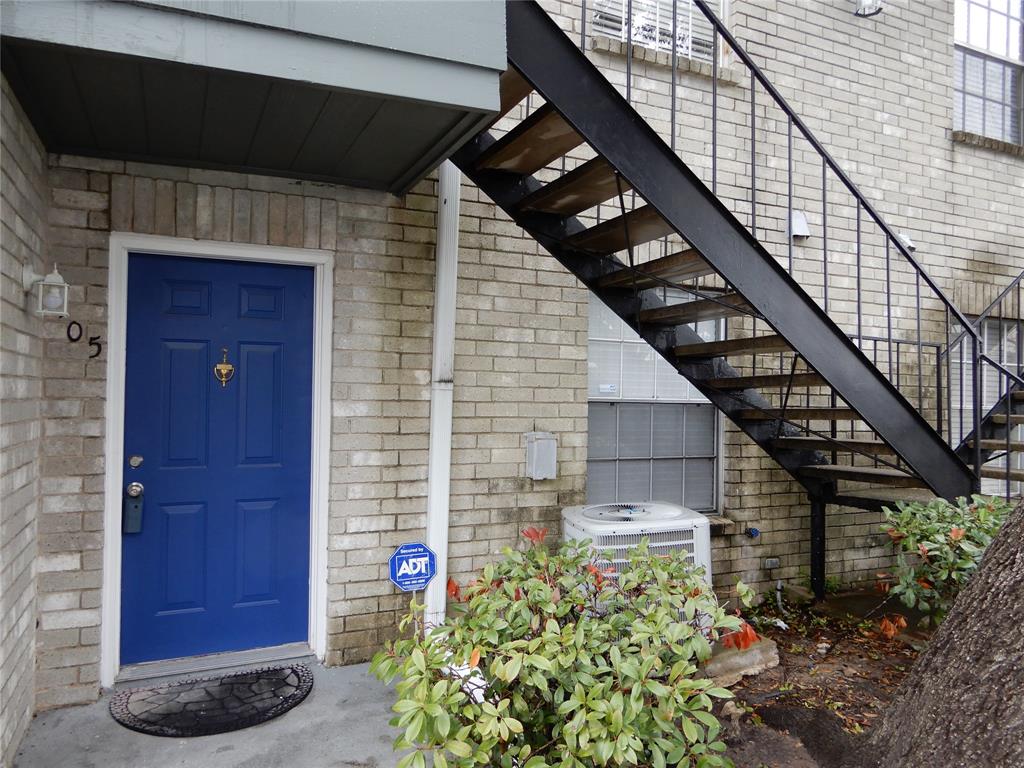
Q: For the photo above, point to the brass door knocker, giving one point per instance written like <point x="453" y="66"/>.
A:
<point x="224" y="370"/>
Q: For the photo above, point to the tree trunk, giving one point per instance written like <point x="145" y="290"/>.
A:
<point x="963" y="702"/>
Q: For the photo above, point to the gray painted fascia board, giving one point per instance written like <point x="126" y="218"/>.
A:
<point x="452" y="30"/>
<point x="468" y="127"/>
<point x="136" y="30"/>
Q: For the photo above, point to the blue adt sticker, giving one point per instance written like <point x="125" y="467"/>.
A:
<point x="412" y="567"/>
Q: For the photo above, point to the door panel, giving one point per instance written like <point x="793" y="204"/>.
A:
<point x="222" y="560"/>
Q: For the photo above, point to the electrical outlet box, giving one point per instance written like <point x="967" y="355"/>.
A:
<point x="772" y="562"/>
<point x="541" y="456"/>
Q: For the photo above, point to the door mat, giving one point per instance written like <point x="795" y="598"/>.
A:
<point x="209" y="705"/>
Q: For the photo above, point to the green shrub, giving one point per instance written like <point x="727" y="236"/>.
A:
<point x="939" y="546"/>
<point x="560" y="665"/>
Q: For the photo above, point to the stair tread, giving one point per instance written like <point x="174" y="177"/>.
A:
<point x="1018" y="395"/>
<point x="726" y="305"/>
<point x="889" y="493"/>
<point x="584" y="187"/>
<point x="999" y="473"/>
<point x="995" y="444"/>
<point x="800" y="414"/>
<point x="865" y="445"/>
<point x="1015" y="418"/>
<point x="644" y="224"/>
<point x="745" y="346"/>
<point x="535" y="142"/>
<point x="767" y="381"/>
<point x="512" y="89"/>
<point x="882" y="475"/>
<point x="682" y="265"/>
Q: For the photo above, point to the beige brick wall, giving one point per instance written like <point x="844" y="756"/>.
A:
<point x="22" y="243"/>
<point x="520" y="365"/>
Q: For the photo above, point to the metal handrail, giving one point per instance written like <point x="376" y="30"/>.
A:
<point x="1000" y="368"/>
<point x="757" y="72"/>
<point x="987" y="312"/>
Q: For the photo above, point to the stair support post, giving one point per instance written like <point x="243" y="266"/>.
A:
<point x="818" y="547"/>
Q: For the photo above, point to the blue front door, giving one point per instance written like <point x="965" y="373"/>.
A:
<point x="220" y="560"/>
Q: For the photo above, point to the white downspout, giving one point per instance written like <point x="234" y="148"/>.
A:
<point x="439" y="461"/>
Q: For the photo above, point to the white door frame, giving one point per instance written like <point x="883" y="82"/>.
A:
<point x="121" y="244"/>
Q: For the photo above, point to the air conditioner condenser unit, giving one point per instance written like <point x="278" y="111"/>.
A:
<point x="616" y="528"/>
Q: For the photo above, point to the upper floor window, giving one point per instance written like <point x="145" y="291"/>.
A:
<point x="652" y="22"/>
<point x="988" y="75"/>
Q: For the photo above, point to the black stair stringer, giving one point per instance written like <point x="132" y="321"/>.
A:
<point x="564" y="77"/>
<point x="506" y="190"/>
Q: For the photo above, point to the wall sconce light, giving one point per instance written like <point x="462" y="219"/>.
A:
<point x="866" y="8"/>
<point x="906" y="242"/>
<point x="798" y="228"/>
<point x="51" y="292"/>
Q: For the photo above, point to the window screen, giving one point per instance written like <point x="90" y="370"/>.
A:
<point x="645" y="451"/>
<point x="652" y="435"/>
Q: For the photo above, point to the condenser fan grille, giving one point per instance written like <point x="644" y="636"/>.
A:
<point x="622" y="513"/>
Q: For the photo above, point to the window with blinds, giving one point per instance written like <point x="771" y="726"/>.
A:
<point x="988" y="75"/>
<point x="652" y="435"/>
<point x="652" y="23"/>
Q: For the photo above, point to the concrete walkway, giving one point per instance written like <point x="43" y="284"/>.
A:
<point x="343" y="723"/>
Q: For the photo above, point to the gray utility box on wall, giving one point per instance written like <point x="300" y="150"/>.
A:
<point x="541" y="456"/>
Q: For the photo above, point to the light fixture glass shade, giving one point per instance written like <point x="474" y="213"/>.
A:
<point x="906" y="242"/>
<point x="867" y="8"/>
<point x="52" y="295"/>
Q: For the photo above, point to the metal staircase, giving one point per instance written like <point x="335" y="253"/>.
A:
<point x="821" y="407"/>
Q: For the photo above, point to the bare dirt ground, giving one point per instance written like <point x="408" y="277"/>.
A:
<point x="836" y="675"/>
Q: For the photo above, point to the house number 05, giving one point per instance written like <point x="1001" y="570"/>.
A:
<point x="75" y="333"/>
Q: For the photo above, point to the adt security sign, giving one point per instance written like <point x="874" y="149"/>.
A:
<point x="412" y="567"/>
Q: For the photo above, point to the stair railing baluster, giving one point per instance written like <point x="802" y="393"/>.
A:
<point x="714" y="111"/>
<point x="977" y="405"/>
<point x="1001" y="354"/>
<point x="1020" y="328"/>
<point x="888" y="304"/>
<point x="675" y="59"/>
<point x="860" y="320"/>
<point x="920" y="351"/>
<point x="961" y="434"/>
<point x="629" y="50"/>
<point x="824" y="231"/>
<point x="899" y="367"/>
<point x="1009" y="432"/>
<point x="789" y="194"/>
<point x="939" y="394"/>
<point x="949" y="381"/>
<point x="753" y="154"/>
<point x="583" y="26"/>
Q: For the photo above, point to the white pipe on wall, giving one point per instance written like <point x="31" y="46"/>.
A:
<point x="439" y="461"/>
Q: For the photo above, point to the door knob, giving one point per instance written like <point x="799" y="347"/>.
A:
<point x="134" y="490"/>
